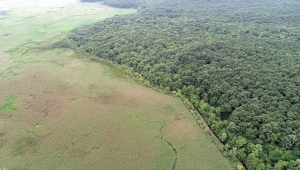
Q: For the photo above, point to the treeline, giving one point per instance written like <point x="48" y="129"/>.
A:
<point x="237" y="62"/>
<point x="118" y="3"/>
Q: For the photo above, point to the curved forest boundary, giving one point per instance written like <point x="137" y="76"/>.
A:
<point x="237" y="62"/>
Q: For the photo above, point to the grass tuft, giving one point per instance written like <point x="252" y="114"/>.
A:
<point x="9" y="104"/>
<point x="71" y="100"/>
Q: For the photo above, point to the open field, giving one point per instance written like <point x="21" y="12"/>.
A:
<point x="59" y="110"/>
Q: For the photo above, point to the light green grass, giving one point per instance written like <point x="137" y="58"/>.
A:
<point x="34" y="25"/>
<point x="9" y="104"/>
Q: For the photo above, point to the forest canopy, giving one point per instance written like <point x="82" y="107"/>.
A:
<point x="237" y="62"/>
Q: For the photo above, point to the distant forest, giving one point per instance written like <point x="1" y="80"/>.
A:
<point x="237" y="62"/>
<point x="120" y="3"/>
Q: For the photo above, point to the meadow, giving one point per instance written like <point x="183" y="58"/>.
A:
<point x="60" y="110"/>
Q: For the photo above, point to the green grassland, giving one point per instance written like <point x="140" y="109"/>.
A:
<point x="60" y="110"/>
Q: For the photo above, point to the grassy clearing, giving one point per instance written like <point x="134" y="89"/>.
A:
<point x="35" y="24"/>
<point x="76" y="114"/>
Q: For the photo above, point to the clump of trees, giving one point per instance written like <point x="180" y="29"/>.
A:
<point x="237" y="62"/>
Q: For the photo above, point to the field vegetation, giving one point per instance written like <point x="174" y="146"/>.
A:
<point x="61" y="110"/>
<point x="237" y="62"/>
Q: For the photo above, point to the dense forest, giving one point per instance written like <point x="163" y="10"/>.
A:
<point x="237" y="62"/>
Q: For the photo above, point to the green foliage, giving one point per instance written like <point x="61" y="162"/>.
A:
<point x="281" y="165"/>
<point x="241" y="58"/>
<point x="240" y="167"/>
<point x="223" y="137"/>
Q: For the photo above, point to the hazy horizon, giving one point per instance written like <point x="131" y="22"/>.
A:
<point x="7" y="5"/>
